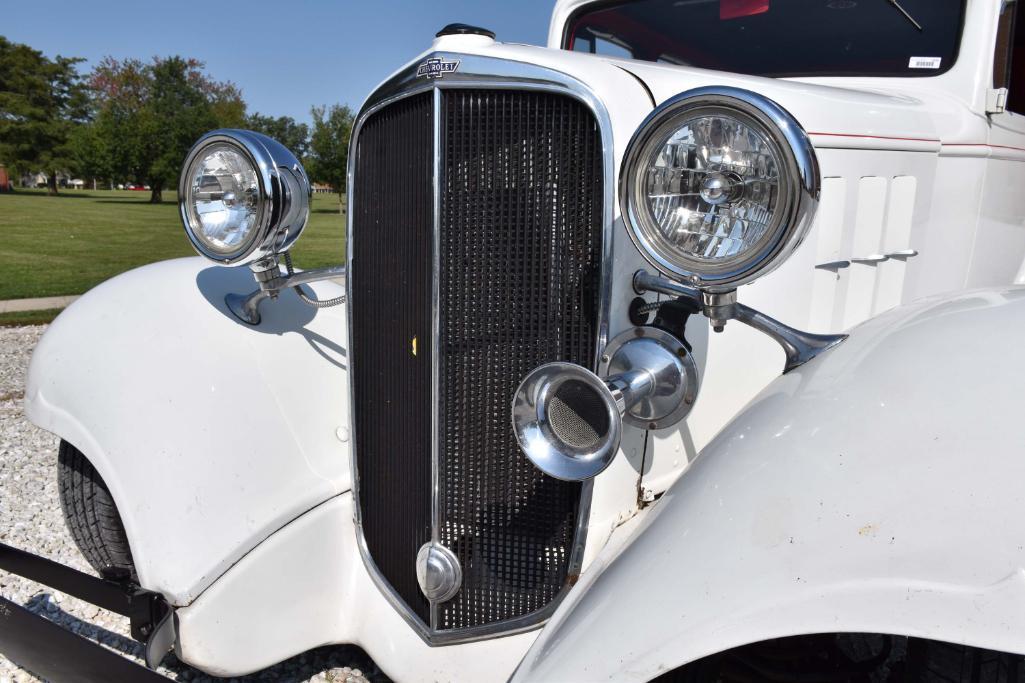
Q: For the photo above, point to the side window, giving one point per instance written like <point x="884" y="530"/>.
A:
<point x="595" y="43"/>
<point x="1009" y="57"/>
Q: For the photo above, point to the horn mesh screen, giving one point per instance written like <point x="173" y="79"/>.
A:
<point x="578" y="415"/>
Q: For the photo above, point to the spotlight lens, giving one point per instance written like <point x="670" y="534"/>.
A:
<point x="224" y="202"/>
<point x="718" y="187"/>
<point x="711" y="188"/>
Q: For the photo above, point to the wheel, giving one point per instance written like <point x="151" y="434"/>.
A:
<point x="92" y="517"/>
<point x="928" y="660"/>
<point x="852" y="658"/>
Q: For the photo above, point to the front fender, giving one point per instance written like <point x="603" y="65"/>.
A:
<point x="876" y="489"/>
<point x="211" y="434"/>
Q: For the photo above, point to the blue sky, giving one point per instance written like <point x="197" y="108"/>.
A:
<point x="285" y="56"/>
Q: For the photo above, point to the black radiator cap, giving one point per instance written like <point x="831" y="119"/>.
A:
<point x="464" y="30"/>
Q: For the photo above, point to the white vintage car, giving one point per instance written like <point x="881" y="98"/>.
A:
<point x="830" y="493"/>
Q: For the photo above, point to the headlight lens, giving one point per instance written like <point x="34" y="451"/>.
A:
<point x="243" y="197"/>
<point x="713" y="189"/>
<point x="224" y="202"/>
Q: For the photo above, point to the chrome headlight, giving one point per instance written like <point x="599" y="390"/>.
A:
<point x="243" y="197"/>
<point x="718" y="187"/>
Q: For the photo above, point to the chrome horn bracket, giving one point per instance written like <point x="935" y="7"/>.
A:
<point x="673" y="370"/>
<point x="246" y="307"/>
<point x="800" y="347"/>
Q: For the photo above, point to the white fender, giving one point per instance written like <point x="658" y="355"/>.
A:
<point x="211" y="434"/>
<point x="876" y="489"/>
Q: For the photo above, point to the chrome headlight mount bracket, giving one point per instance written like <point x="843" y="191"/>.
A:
<point x="272" y="281"/>
<point x="799" y="347"/>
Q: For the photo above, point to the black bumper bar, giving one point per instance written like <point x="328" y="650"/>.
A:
<point x="48" y="650"/>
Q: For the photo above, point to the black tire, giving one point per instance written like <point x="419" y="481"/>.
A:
<point x="936" y="662"/>
<point x="92" y="517"/>
<point x="853" y="658"/>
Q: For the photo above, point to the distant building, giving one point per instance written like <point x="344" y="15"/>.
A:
<point x="322" y="187"/>
<point x="40" y="179"/>
<point x="34" y="180"/>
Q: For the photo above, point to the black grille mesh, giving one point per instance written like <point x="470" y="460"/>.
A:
<point x="391" y="305"/>
<point x="520" y="251"/>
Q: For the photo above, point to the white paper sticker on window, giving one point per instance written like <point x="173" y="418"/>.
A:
<point x="924" y="63"/>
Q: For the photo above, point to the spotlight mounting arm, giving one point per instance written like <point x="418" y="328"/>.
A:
<point x="246" y="307"/>
<point x="800" y="347"/>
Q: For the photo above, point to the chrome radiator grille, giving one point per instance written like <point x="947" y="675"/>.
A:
<point x="515" y="251"/>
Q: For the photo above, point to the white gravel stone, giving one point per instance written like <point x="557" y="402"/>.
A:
<point x="31" y="519"/>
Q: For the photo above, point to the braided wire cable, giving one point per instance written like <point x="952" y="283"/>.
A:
<point x="327" y="303"/>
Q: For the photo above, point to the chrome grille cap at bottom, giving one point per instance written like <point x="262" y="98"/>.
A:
<point x="438" y="572"/>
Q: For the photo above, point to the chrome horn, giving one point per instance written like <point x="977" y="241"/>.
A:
<point x="569" y="421"/>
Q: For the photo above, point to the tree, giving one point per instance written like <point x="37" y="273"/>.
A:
<point x="329" y="146"/>
<point x="92" y="157"/>
<point x="149" y="115"/>
<point x="295" y="136"/>
<point x="42" y="101"/>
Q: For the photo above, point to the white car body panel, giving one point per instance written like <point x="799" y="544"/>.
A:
<point x="226" y="447"/>
<point x="297" y="591"/>
<point x="210" y="434"/>
<point x="875" y="489"/>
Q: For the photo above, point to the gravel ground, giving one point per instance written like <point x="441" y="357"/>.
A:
<point x="30" y="518"/>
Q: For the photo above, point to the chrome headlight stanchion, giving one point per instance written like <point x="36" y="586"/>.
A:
<point x="272" y="281"/>
<point x="800" y="347"/>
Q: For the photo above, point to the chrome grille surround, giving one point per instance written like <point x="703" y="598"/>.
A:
<point x="476" y="72"/>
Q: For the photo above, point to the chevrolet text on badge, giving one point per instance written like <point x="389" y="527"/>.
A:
<point x="436" y="68"/>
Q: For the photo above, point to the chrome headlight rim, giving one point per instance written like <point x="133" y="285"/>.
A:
<point x="270" y="160"/>
<point x="792" y="218"/>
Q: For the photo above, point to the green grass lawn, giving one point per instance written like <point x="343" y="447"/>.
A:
<point x="19" y="318"/>
<point x="52" y="246"/>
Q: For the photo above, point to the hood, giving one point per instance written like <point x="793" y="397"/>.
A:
<point x="835" y="116"/>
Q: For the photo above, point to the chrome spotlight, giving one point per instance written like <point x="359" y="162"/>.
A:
<point x="719" y="186"/>
<point x="243" y="198"/>
<point x="569" y="421"/>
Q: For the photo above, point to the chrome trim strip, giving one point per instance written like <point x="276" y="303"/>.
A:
<point x="436" y="343"/>
<point x="500" y="74"/>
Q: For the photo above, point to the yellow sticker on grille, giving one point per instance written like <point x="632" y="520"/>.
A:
<point x="414" y="346"/>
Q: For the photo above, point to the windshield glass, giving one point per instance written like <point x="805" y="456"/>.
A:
<point x="777" y="37"/>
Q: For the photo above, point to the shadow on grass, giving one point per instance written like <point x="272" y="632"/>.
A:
<point x="60" y="195"/>
<point x="140" y="200"/>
